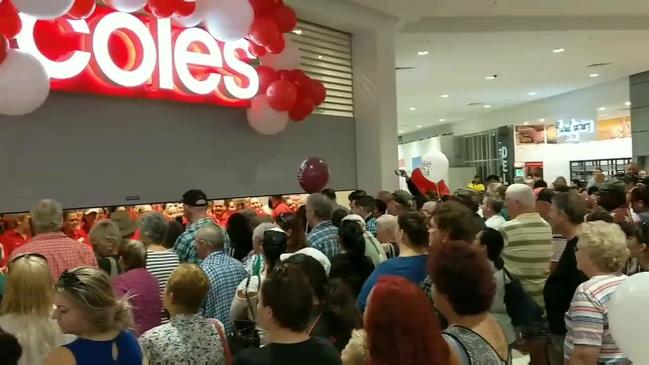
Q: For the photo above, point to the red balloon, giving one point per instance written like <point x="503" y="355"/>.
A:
<point x="264" y="31"/>
<point x="263" y="6"/>
<point x="267" y="76"/>
<point x="301" y="81"/>
<point x="185" y="8"/>
<point x="318" y="92"/>
<point x="303" y="108"/>
<point x="313" y="175"/>
<point x="82" y="9"/>
<point x="162" y="8"/>
<point x="285" y="18"/>
<point x="256" y="50"/>
<point x="282" y="95"/>
<point x="10" y="23"/>
<point x="284" y="75"/>
<point x="278" y="46"/>
<point x="66" y="43"/>
<point x="4" y="46"/>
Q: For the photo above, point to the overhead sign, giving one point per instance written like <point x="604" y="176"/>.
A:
<point x="506" y="155"/>
<point x="128" y="55"/>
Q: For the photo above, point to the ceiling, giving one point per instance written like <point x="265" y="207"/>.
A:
<point x="468" y="40"/>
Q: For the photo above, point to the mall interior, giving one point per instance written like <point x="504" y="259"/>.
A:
<point x="498" y="101"/>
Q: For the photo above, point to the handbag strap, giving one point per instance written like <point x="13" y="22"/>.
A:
<point x="250" y="307"/>
<point x="224" y="342"/>
<point x="314" y="324"/>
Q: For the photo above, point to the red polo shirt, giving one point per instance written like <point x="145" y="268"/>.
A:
<point x="279" y="209"/>
<point x="11" y="240"/>
<point x="81" y="236"/>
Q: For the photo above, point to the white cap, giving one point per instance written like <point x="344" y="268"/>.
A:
<point x="92" y="210"/>
<point x="356" y="218"/>
<point x="316" y="254"/>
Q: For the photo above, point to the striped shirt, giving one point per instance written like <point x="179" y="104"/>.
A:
<point x="160" y="264"/>
<point x="527" y="252"/>
<point x="587" y="319"/>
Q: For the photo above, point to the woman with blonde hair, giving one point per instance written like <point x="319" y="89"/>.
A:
<point x="601" y="255"/>
<point x="86" y="307"/>
<point x="27" y="306"/>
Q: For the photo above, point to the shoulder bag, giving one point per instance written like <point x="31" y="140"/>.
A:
<point x="521" y="307"/>
<point x="245" y="334"/>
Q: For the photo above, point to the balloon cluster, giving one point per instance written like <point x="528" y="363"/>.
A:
<point x="272" y="20"/>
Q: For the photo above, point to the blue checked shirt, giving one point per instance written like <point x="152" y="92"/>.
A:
<point x="224" y="273"/>
<point x="371" y="225"/>
<point x="185" y="246"/>
<point x="324" y="237"/>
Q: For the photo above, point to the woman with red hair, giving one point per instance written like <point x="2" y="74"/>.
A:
<point x="401" y="326"/>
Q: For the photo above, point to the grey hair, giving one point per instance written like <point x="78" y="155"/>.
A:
<point x="258" y="232"/>
<point x="387" y="222"/>
<point x="321" y="205"/>
<point x="47" y="216"/>
<point x="107" y="231"/>
<point x="153" y="227"/>
<point x="523" y="194"/>
<point x="213" y="236"/>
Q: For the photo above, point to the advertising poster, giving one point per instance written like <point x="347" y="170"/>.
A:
<point x="530" y="134"/>
<point x="614" y="128"/>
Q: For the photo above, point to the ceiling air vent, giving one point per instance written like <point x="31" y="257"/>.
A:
<point x="476" y="104"/>
<point x="406" y="68"/>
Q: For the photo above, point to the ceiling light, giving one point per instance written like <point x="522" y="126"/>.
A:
<point x="487" y="106"/>
<point x="527" y="123"/>
<point x="412" y="108"/>
<point x="531" y="93"/>
<point x="601" y="108"/>
<point x="297" y="31"/>
<point x="442" y="120"/>
<point x="594" y="75"/>
<point x="542" y="120"/>
<point x="627" y="103"/>
<point x="491" y="77"/>
<point x="419" y="126"/>
<point x="400" y="132"/>
<point x="444" y="96"/>
<point x="319" y="57"/>
<point x="558" y="50"/>
<point x="423" y="53"/>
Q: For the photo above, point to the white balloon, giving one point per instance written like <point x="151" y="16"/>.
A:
<point x="229" y="20"/>
<point x="24" y="84"/>
<point x="202" y="7"/>
<point x="126" y="6"/>
<point x="264" y="119"/>
<point x="434" y="167"/>
<point x="626" y="311"/>
<point x="289" y="59"/>
<point x="44" y="9"/>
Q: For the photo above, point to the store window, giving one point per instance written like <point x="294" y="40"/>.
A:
<point x="327" y="56"/>
<point x="481" y="151"/>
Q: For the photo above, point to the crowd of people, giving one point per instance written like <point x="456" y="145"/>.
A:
<point x="399" y="278"/>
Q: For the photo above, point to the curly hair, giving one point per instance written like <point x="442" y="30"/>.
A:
<point x="605" y="244"/>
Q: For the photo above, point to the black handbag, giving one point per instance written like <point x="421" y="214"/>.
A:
<point x="521" y="307"/>
<point x="245" y="334"/>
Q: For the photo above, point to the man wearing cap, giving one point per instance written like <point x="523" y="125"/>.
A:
<point x="89" y="218"/>
<point x="401" y="203"/>
<point x="195" y="210"/>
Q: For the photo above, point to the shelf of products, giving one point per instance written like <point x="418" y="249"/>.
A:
<point x="583" y="170"/>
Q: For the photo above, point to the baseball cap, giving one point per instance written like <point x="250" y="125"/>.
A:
<point x="315" y="253"/>
<point x="403" y="197"/>
<point x="356" y="218"/>
<point x="195" y="198"/>
<point x="92" y="210"/>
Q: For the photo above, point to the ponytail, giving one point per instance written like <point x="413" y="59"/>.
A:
<point x="123" y="318"/>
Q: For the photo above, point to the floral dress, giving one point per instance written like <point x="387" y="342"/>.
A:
<point x="186" y="339"/>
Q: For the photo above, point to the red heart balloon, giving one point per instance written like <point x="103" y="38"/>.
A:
<point x="423" y="185"/>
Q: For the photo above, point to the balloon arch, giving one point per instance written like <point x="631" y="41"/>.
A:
<point x="285" y="92"/>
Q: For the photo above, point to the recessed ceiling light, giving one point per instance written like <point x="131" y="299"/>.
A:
<point x="487" y="106"/>
<point x="527" y="123"/>
<point x="423" y="52"/>
<point x="297" y="31"/>
<point x="491" y="77"/>
<point x="412" y="108"/>
<point x="558" y="50"/>
<point x="601" y="108"/>
<point x="419" y="126"/>
<point x="531" y="93"/>
<point x="594" y="75"/>
<point x="542" y="120"/>
<point x="442" y="120"/>
<point x="627" y="103"/>
<point x="444" y="96"/>
<point x="400" y="132"/>
<point x="319" y="57"/>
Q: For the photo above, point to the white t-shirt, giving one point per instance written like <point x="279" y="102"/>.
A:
<point x="495" y="222"/>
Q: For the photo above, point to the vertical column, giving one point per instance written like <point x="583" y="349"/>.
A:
<point x="639" y="91"/>
<point x="375" y="105"/>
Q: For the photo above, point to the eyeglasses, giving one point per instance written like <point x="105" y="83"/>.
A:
<point x="27" y="255"/>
